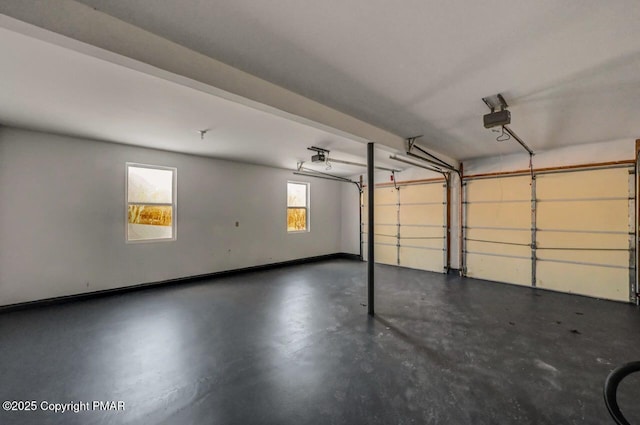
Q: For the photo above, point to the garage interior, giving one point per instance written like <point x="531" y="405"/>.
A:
<point x="236" y="212"/>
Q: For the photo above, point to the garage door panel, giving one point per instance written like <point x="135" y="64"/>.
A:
<point x="494" y="235"/>
<point x="386" y="254"/>
<point x="386" y="240"/>
<point x="422" y="236"/>
<point x="385" y="234"/>
<point x="502" y="249"/>
<point x="582" y="240"/>
<point x="386" y="195"/>
<point x="498" y="217"/>
<point x="418" y="231"/>
<point x="499" y="269"/>
<point x="584" y="184"/>
<point x="600" y="282"/>
<point x="613" y="258"/>
<point x="546" y="239"/>
<point x="584" y="215"/>
<point x="422" y="221"/>
<point x="499" y="189"/>
<point x="383" y="196"/>
<point x="422" y="214"/>
<point x="421" y="218"/>
<point x="510" y="215"/>
<point x="586" y="256"/>
<point x="421" y="259"/>
<point x="599" y="248"/>
<point x="386" y="215"/>
<point x="422" y="243"/>
<point x="421" y="193"/>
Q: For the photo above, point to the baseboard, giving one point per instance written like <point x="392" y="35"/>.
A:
<point x="347" y="256"/>
<point x="169" y="282"/>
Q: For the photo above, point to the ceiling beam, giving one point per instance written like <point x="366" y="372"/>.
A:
<point x="114" y="40"/>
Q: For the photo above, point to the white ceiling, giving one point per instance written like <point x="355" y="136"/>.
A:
<point x="570" y="69"/>
<point x="47" y="87"/>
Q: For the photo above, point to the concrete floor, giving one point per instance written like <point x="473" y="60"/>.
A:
<point x="295" y="346"/>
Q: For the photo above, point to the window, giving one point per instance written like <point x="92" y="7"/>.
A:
<point x="151" y="203"/>
<point x="297" y="207"/>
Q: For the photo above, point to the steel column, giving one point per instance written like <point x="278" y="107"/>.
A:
<point x="449" y="183"/>
<point x="360" y="212"/>
<point x="397" y="221"/>
<point x="370" y="227"/>
<point x="461" y="222"/>
<point x="533" y="229"/>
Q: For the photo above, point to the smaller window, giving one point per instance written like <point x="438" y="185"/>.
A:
<point x="297" y="207"/>
<point x="151" y="203"/>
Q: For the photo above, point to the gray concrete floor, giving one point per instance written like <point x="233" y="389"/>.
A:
<point x="295" y="346"/>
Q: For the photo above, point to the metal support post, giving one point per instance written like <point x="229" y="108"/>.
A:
<point x="397" y="220"/>
<point x="360" y="190"/>
<point x="370" y="235"/>
<point x="533" y="229"/>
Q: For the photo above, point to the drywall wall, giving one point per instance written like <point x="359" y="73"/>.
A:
<point x="62" y="217"/>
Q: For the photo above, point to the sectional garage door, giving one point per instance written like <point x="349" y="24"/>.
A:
<point x="410" y="225"/>
<point x="385" y="225"/>
<point x="498" y="232"/>
<point x="585" y="232"/>
<point x="581" y="225"/>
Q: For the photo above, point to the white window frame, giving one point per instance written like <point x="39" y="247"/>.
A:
<point x="173" y="204"/>
<point x="306" y="207"/>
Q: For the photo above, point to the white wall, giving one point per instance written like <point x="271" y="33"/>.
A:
<point x="62" y="219"/>
<point x="617" y="150"/>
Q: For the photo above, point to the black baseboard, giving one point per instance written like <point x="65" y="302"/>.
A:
<point x="169" y="282"/>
